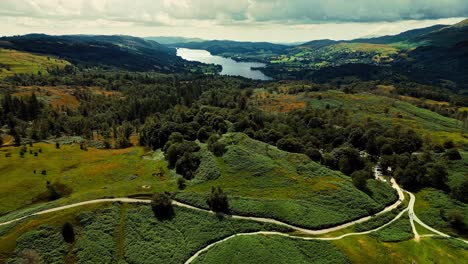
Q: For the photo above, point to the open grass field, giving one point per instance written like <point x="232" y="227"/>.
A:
<point x="15" y="62"/>
<point x="120" y="233"/>
<point x="89" y="174"/>
<point x="262" y="180"/>
<point x="366" y="249"/>
<point x="363" y="47"/>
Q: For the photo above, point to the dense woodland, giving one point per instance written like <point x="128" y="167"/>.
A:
<point x="172" y="112"/>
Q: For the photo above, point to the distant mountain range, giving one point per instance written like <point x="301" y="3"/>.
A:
<point x="172" y="40"/>
<point x="436" y="52"/>
<point x="125" y="52"/>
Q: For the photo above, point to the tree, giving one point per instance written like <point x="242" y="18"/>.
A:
<point x="437" y="175"/>
<point x="345" y="165"/>
<point x="187" y="165"/>
<point x="218" y="200"/>
<point x="68" y="232"/>
<point x="203" y="134"/>
<point x="214" y="145"/>
<point x="313" y="153"/>
<point x="17" y="137"/>
<point x="460" y="192"/>
<point x="290" y="144"/>
<point x="360" y="178"/>
<point x="161" y="204"/>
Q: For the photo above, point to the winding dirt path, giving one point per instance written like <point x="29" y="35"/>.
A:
<point x="197" y="254"/>
<point x="409" y="209"/>
<point x="252" y="218"/>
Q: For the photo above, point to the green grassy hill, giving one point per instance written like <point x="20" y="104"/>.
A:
<point x="262" y="180"/>
<point x="16" y="62"/>
<point x="378" y="108"/>
<point x="118" y="234"/>
<point x="124" y="52"/>
<point x="272" y="249"/>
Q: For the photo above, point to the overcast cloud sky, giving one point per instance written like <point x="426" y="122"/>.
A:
<point x="255" y="20"/>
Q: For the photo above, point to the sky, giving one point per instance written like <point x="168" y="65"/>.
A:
<point x="248" y="20"/>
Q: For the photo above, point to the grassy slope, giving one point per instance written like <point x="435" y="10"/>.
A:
<point x="122" y="233"/>
<point x="400" y="230"/>
<point x="24" y="62"/>
<point x="365" y="249"/>
<point x="434" y="206"/>
<point x="458" y="170"/>
<point x="265" y="181"/>
<point x="363" y="105"/>
<point x="272" y="249"/>
<point x="91" y="174"/>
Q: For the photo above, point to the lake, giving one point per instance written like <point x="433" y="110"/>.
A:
<point x="230" y="66"/>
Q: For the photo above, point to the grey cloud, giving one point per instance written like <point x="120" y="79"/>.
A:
<point x="236" y="11"/>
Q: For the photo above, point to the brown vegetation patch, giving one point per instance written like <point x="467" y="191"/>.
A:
<point x="57" y="97"/>
<point x="101" y="91"/>
<point x="282" y="103"/>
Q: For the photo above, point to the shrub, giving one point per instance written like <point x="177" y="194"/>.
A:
<point x="161" y="204"/>
<point x="218" y="200"/>
<point x="218" y="149"/>
<point x="30" y="256"/>
<point x="57" y="190"/>
<point x="460" y="192"/>
<point x="181" y="184"/>
<point x="123" y="142"/>
<point x="453" y="154"/>
<point x="456" y="220"/>
<point x="438" y="149"/>
<point x="68" y="232"/>
<point x="449" y="144"/>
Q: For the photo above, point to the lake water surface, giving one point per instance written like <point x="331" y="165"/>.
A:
<point x="230" y="66"/>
